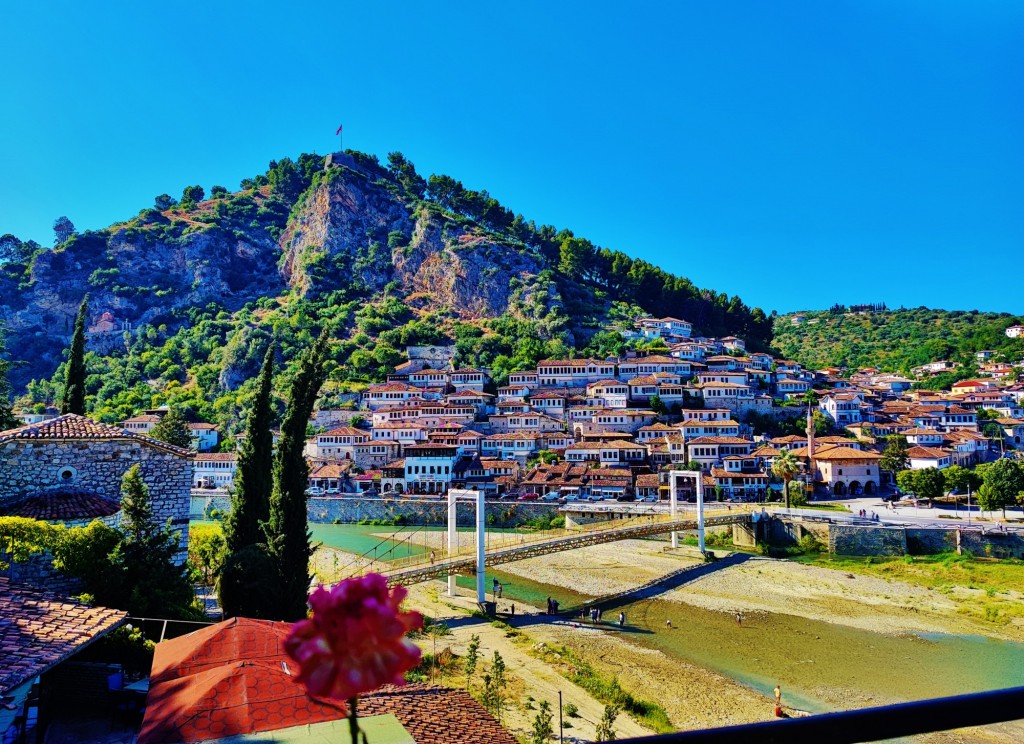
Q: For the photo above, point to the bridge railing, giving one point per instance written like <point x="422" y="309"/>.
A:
<point x="500" y="541"/>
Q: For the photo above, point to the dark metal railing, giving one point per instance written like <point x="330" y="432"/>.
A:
<point x="867" y="724"/>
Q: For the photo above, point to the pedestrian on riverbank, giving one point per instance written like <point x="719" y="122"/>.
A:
<point x="739" y="618"/>
<point x="778" y="696"/>
<point x="432" y="557"/>
<point x="622" y="619"/>
<point x="668" y="624"/>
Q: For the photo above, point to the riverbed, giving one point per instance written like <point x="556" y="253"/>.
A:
<point x="829" y="640"/>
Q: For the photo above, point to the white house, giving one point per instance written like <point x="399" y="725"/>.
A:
<point x="339" y="443"/>
<point x="922" y="458"/>
<point x="573" y="372"/>
<point x="204" y="436"/>
<point x="1015" y="331"/>
<point x="429" y="467"/>
<point x="214" y="469"/>
<point x="843" y="408"/>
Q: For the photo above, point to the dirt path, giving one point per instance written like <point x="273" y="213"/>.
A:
<point x="531" y="677"/>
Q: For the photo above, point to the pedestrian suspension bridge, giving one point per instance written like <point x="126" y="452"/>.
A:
<point x="494" y="548"/>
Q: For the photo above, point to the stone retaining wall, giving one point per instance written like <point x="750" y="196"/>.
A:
<point x="349" y="510"/>
<point x="848" y="539"/>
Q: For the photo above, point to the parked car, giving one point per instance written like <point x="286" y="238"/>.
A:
<point x="572" y="496"/>
<point x="529" y="497"/>
<point x="651" y="499"/>
<point x="314" y="491"/>
<point x="333" y="491"/>
<point x="552" y="496"/>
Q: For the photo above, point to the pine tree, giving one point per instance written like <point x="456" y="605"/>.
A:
<point x="254" y="478"/>
<point x="173" y="429"/>
<point x="543" y="729"/>
<point x="288" y="536"/>
<point x="143" y="578"/>
<point x="606" y="726"/>
<point x="73" y="398"/>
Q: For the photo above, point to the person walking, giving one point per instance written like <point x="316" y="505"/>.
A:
<point x="432" y="557"/>
<point x="622" y="619"/>
<point x="739" y="619"/>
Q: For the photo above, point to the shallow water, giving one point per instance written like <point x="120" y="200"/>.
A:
<point x="820" y="666"/>
<point x="824" y="666"/>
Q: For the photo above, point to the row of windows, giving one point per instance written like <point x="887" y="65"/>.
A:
<point x="433" y="469"/>
<point x="207" y="464"/>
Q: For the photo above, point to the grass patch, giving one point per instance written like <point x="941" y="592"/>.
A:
<point x="604" y="688"/>
<point x="825" y="507"/>
<point x="987" y="589"/>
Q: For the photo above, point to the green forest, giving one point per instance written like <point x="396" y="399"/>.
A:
<point x="201" y="357"/>
<point x="897" y="340"/>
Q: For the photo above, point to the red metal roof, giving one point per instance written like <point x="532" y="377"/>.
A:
<point x="233" y="678"/>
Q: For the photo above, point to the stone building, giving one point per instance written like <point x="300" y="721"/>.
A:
<point x="69" y="469"/>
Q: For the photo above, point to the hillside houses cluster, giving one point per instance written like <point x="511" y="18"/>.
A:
<point x="611" y="428"/>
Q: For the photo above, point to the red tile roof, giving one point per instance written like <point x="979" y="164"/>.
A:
<point x="73" y="426"/>
<point x="39" y="630"/>
<point x="61" y="506"/>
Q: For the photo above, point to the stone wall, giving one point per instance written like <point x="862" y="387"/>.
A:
<point x="347" y="510"/>
<point x="30" y="468"/>
<point x="847" y="539"/>
<point x="791" y="531"/>
<point x="929" y="541"/>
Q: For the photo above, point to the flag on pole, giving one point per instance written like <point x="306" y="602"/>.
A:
<point x="339" y="130"/>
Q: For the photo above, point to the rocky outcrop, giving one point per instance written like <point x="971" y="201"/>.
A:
<point x="460" y="271"/>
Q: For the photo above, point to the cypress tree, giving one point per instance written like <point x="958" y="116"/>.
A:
<point x="73" y="398"/>
<point x="254" y="478"/>
<point x="288" y="536"/>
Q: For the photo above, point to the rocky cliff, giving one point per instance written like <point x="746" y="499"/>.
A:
<point x="185" y="299"/>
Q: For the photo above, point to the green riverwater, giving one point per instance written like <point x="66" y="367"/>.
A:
<point x="820" y="666"/>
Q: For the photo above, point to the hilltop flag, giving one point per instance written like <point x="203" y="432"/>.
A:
<point x="339" y="130"/>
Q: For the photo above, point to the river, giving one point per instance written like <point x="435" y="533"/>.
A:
<point x="817" y="663"/>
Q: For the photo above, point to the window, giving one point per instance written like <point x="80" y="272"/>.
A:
<point x="67" y="474"/>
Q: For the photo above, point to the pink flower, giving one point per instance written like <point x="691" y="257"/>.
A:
<point x="355" y="640"/>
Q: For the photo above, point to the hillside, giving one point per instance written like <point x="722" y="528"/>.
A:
<point x="895" y="340"/>
<point x="378" y="254"/>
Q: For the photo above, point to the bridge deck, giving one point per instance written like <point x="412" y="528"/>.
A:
<point x="467" y="564"/>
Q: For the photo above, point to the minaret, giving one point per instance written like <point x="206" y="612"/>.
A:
<point x="811" y="469"/>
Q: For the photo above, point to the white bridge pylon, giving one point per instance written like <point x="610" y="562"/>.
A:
<point x="454" y="495"/>
<point x="698" y="477"/>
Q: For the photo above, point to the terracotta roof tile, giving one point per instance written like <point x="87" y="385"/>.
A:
<point x="61" y="506"/>
<point x="39" y="629"/>
<point x="73" y="426"/>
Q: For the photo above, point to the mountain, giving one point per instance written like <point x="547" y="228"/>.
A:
<point x="895" y="340"/>
<point x="184" y="297"/>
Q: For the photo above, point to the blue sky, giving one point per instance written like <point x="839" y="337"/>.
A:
<point x="794" y="153"/>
